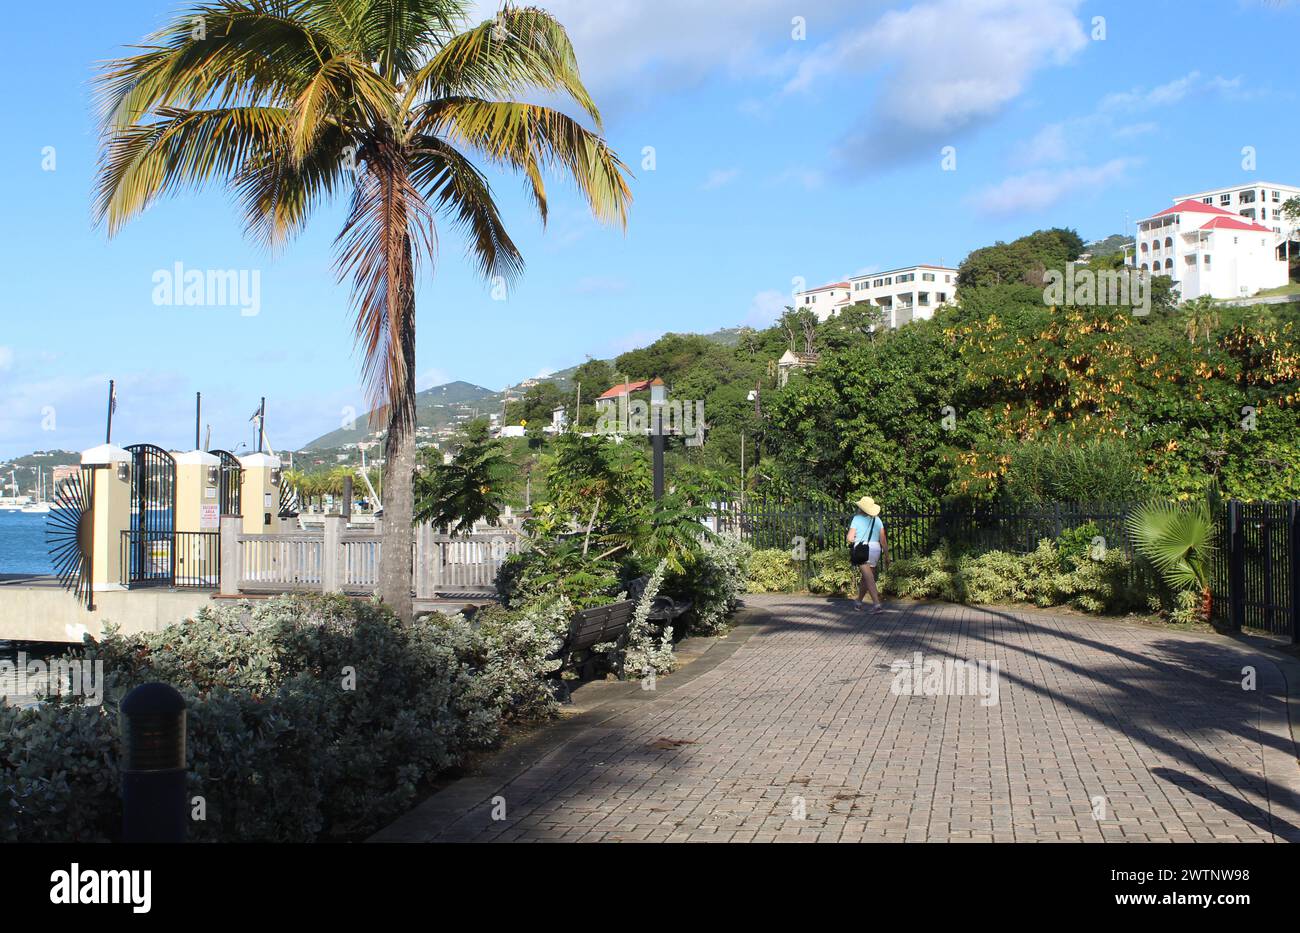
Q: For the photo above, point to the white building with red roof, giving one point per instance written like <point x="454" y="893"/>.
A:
<point x="1208" y="250"/>
<point x="1261" y="202"/>
<point x="904" y="295"/>
<point x="824" y="300"/>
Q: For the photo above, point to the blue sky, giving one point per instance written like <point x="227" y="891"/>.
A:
<point x="776" y="159"/>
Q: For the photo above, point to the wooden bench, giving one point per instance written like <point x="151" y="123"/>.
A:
<point x="665" y="610"/>
<point x="592" y="627"/>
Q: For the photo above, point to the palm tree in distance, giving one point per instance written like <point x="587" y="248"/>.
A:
<point x="289" y="102"/>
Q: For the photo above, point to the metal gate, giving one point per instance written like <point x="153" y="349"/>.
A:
<point x="229" y="482"/>
<point x="1263" y="566"/>
<point x="151" y="542"/>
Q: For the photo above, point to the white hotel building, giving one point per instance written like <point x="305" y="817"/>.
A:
<point x="1261" y="203"/>
<point x="907" y="294"/>
<point x="1211" y="250"/>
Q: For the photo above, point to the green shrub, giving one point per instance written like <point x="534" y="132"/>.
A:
<point x="1004" y="577"/>
<point x="58" y="774"/>
<point x="307" y="716"/>
<point x="773" y="571"/>
<point x="831" y="573"/>
<point x="933" y="576"/>
<point x="714" y="583"/>
<point x="1076" y="542"/>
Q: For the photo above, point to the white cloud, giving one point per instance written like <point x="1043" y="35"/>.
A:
<point x="631" y="51"/>
<point x="430" y="378"/>
<point x="766" y="308"/>
<point x="719" y="178"/>
<point x="1173" y="92"/>
<point x="948" y="65"/>
<point x="600" y="285"/>
<point x="808" y="178"/>
<point x="6" y="357"/>
<point x="1048" y="145"/>
<point x="1040" y="189"/>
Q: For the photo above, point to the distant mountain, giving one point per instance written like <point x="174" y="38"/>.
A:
<point x="22" y="470"/>
<point x="444" y="405"/>
<point x="435" y="408"/>
<point x="1114" y="243"/>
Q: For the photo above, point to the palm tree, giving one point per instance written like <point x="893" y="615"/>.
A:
<point x="289" y="102"/>
<point x="1202" y="317"/>
<point x="1178" y="540"/>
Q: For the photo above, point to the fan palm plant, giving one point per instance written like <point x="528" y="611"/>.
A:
<point x="1177" y="538"/>
<point x="289" y="102"/>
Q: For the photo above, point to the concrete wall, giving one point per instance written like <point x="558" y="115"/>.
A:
<point x="48" y="613"/>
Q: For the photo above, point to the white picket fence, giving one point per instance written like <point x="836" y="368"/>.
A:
<point x="347" y="560"/>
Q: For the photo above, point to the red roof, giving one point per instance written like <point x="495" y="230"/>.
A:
<point x="823" y="288"/>
<point x="1234" y="223"/>
<point x="1198" y="207"/>
<point x="625" y="388"/>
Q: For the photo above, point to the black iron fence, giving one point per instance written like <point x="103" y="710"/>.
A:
<point x="171" y="558"/>
<point x="1254" y="568"/>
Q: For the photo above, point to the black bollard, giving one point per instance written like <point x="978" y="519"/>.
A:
<point x="154" y="806"/>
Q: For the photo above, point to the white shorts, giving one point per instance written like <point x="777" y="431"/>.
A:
<point x="873" y="553"/>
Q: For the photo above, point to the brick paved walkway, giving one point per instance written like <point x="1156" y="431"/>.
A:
<point x="1150" y="729"/>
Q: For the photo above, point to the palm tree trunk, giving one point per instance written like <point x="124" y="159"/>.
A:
<point x="395" y="555"/>
<point x="395" y="570"/>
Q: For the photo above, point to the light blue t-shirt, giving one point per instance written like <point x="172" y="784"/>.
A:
<point x="867" y="528"/>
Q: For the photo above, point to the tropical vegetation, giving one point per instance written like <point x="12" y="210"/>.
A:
<point x="289" y="103"/>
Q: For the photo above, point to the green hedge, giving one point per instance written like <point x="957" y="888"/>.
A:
<point x="308" y="717"/>
<point x="1048" y="576"/>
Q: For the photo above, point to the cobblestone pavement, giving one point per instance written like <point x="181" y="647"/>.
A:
<point x="1100" y="732"/>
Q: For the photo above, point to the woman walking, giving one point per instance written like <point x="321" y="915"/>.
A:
<point x="867" y="545"/>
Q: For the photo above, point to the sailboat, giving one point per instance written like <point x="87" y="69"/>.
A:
<point x="40" y="505"/>
<point x="11" y="503"/>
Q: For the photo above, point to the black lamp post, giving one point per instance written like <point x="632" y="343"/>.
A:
<point x="658" y="395"/>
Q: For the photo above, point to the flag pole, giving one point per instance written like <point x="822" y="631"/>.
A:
<point x="108" y="434"/>
<point x="198" y="417"/>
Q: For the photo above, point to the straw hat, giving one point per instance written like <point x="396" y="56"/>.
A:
<point x="869" y="506"/>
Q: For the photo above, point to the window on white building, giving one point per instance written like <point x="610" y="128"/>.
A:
<point x="927" y="276"/>
<point x="1225" y="199"/>
<point x="1207" y="261"/>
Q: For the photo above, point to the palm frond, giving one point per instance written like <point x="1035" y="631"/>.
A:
<point x="397" y="31"/>
<point x="389" y="231"/>
<point x="520" y="50"/>
<point x="216" y="55"/>
<point x="184" y="148"/>
<point x="452" y="184"/>
<point x="1177" y="539"/>
<point x="279" y="192"/>
<point x="530" y="137"/>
